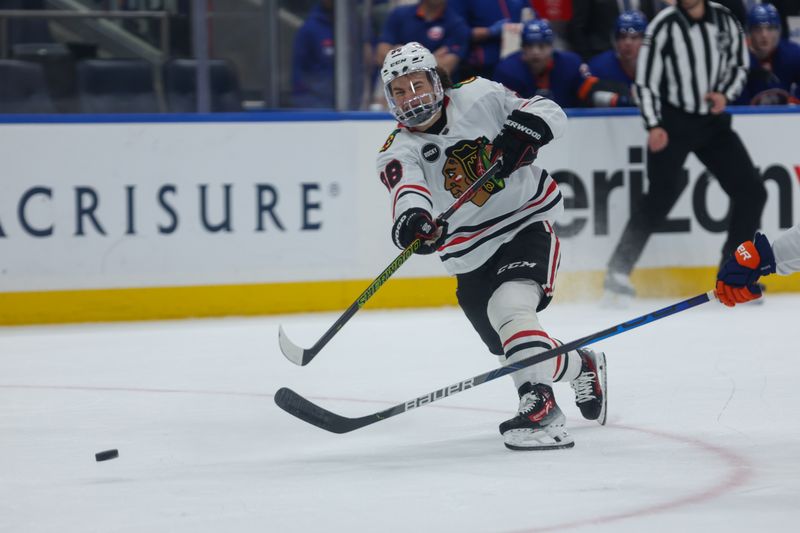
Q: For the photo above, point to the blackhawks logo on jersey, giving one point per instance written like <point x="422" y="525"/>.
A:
<point x="465" y="162"/>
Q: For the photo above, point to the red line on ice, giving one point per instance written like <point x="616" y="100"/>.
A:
<point x="736" y="474"/>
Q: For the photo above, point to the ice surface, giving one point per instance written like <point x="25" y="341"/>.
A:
<point x="703" y="433"/>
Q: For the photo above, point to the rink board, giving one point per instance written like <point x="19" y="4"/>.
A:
<point x="169" y="217"/>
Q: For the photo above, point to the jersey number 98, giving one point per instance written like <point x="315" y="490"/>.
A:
<point x="392" y="174"/>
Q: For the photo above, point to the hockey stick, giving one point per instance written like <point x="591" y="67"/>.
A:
<point x="303" y="356"/>
<point x="296" y="405"/>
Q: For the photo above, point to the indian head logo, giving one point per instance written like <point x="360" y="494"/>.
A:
<point x="465" y="162"/>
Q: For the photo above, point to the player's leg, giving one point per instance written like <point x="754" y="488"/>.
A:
<point x="526" y="272"/>
<point x="727" y="159"/>
<point x="512" y="312"/>
<point x="539" y="422"/>
<point x="666" y="181"/>
<point x="502" y="299"/>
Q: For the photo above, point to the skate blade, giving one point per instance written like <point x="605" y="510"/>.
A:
<point x="601" y="375"/>
<point x="524" y="440"/>
<point x="540" y="448"/>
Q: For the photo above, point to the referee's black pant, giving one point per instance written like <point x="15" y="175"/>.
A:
<point x="719" y="148"/>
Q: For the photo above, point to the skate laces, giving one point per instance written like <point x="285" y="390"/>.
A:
<point x="530" y="402"/>
<point x="584" y="387"/>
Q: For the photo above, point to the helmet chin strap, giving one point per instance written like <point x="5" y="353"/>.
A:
<point x="429" y="122"/>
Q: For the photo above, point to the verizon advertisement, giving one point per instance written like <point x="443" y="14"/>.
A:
<point x="169" y="204"/>
<point x="600" y="166"/>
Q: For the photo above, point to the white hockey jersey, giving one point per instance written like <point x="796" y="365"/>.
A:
<point x="787" y="251"/>
<point x="429" y="171"/>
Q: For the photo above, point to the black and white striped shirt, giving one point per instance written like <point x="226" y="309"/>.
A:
<point x="682" y="59"/>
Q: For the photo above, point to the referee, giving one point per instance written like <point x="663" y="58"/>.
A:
<point x="693" y="61"/>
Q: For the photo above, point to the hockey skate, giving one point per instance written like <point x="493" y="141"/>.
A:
<point x="590" y="386"/>
<point x="539" y="425"/>
<point x="618" y="290"/>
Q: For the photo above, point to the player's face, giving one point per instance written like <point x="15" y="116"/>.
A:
<point x="628" y="45"/>
<point x="689" y="4"/>
<point x="537" y="55"/>
<point x="456" y="181"/>
<point x="410" y="87"/>
<point x="764" y="40"/>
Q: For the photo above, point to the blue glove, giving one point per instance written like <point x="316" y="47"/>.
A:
<point x="736" y="279"/>
<point x="497" y="28"/>
<point x="750" y="261"/>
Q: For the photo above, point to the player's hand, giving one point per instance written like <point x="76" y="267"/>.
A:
<point x="731" y="296"/>
<point x="736" y="279"/>
<point x="418" y="224"/>
<point x="657" y="139"/>
<point x="718" y="102"/>
<point x="519" y="141"/>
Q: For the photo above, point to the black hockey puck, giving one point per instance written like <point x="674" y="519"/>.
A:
<point x="106" y="455"/>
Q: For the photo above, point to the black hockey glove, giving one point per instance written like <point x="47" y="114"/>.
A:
<point x="417" y="224"/>
<point x="519" y="141"/>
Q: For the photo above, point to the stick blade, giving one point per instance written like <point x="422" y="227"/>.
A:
<point x="294" y="353"/>
<point x="297" y="406"/>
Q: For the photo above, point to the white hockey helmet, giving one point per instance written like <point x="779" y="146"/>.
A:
<point x="419" y="107"/>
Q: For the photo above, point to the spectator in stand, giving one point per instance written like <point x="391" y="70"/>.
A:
<point x="787" y="8"/>
<point x="591" y="29"/>
<point x="774" y="74"/>
<point x="432" y="23"/>
<point x="313" y="84"/>
<point x="615" y="69"/>
<point x="312" y="59"/>
<point x="540" y="69"/>
<point x="486" y="19"/>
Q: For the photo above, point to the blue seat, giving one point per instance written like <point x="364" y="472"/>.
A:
<point x="26" y="29"/>
<point x="23" y="88"/>
<point x="116" y="86"/>
<point x="58" y="66"/>
<point x="180" y="85"/>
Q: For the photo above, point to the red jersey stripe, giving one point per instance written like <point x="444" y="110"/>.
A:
<point x="410" y="186"/>
<point x="462" y="239"/>
<point x="558" y="365"/>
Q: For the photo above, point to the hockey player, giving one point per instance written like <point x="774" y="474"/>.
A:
<point x="488" y="21"/>
<point x="540" y="69"/>
<point x="500" y="245"/>
<point x="774" y="75"/>
<point x="737" y="279"/>
<point x="615" y="69"/>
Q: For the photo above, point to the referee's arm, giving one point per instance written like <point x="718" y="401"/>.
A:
<point x="649" y="71"/>
<point x="735" y="77"/>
